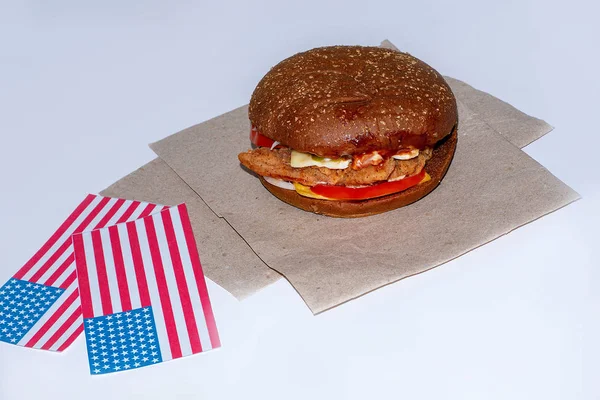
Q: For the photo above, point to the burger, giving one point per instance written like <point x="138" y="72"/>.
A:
<point x="351" y="131"/>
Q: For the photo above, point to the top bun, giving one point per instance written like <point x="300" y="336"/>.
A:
<point x="345" y="100"/>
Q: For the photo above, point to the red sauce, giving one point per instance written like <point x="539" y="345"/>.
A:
<point x="360" y="161"/>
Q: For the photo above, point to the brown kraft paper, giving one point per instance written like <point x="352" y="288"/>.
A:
<point x="491" y="188"/>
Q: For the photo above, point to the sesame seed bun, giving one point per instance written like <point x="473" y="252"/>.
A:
<point x="350" y="100"/>
<point x="346" y="100"/>
<point x="436" y="167"/>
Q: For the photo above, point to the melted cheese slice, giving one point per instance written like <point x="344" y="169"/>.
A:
<point x="301" y="160"/>
<point x="306" y="192"/>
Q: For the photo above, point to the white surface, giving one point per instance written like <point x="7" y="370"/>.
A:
<point x="84" y="88"/>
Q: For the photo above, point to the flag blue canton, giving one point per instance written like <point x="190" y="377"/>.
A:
<point x="22" y="304"/>
<point x="122" y="341"/>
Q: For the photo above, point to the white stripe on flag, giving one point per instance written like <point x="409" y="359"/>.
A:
<point x="47" y="315"/>
<point x="115" y="297"/>
<point x="134" y="292"/>
<point x="92" y="274"/>
<point x="165" y="255"/>
<point x="190" y="279"/>
<point x="159" y="319"/>
<point x="66" y="236"/>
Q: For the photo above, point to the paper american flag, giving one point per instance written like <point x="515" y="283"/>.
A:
<point x="39" y="306"/>
<point x="143" y="294"/>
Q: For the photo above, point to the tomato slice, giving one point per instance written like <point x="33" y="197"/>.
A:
<point x="259" y="139"/>
<point x="368" y="192"/>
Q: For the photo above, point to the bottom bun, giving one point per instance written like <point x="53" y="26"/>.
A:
<point x="436" y="167"/>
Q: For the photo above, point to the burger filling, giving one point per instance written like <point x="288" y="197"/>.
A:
<point x="357" y="177"/>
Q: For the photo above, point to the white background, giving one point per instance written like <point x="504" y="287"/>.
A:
<point x="85" y="86"/>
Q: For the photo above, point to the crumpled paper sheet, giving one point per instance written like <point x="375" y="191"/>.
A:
<point x="324" y="284"/>
<point x="491" y="188"/>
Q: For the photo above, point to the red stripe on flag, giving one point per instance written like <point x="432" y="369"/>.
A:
<point x="184" y="294"/>
<point x="60" y="270"/>
<point x="82" y="277"/>
<point x="132" y="207"/>
<point x="138" y="265"/>
<point x="113" y="210"/>
<point x="54" y="238"/>
<point x="199" y="275"/>
<point x="71" y="338"/>
<point x="163" y="291"/>
<point x="113" y="232"/>
<point x="70" y="279"/>
<point x="52" y="320"/>
<point x="63" y="328"/>
<point x="147" y="211"/>
<point x="101" y="272"/>
<point x="165" y="208"/>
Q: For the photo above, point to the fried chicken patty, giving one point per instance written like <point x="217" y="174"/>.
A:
<point x="276" y="164"/>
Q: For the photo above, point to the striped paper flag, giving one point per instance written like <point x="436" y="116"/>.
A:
<point x="39" y="306"/>
<point x="143" y="294"/>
